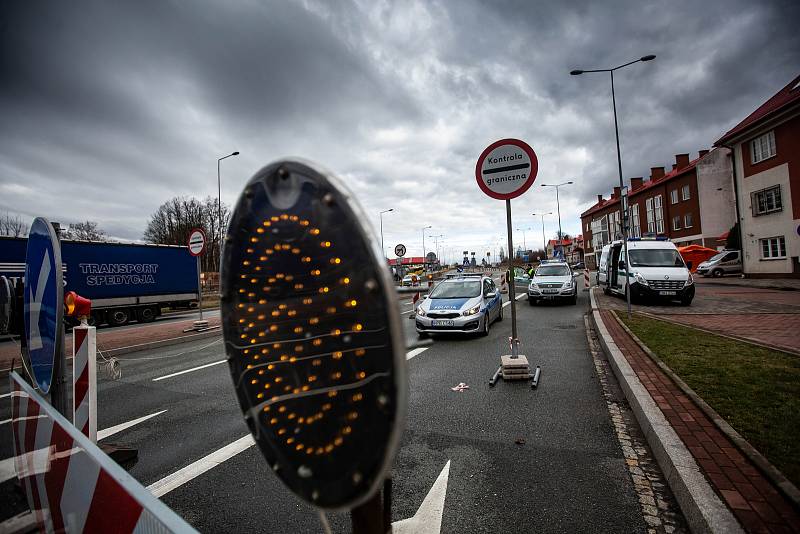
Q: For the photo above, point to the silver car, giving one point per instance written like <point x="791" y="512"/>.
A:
<point x="553" y="281"/>
<point x="465" y="304"/>
<point x="726" y="262"/>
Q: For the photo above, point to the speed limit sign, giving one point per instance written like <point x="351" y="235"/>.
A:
<point x="400" y="250"/>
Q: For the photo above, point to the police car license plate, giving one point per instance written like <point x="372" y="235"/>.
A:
<point x="667" y="293"/>
<point x="549" y="290"/>
<point x="442" y="322"/>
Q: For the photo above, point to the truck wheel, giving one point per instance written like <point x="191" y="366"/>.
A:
<point x="119" y="317"/>
<point x="147" y="315"/>
<point x="717" y="273"/>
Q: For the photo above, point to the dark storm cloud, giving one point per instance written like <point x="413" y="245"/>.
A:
<point x="112" y="108"/>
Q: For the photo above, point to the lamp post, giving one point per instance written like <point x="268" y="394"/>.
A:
<point x="424" y="264"/>
<point x="436" y="241"/>
<point x="383" y="250"/>
<point x="625" y="217"/>
<point x="544" y="240"/>
<point x="524" y="240"/>
<point x="558" y="207"/>
<point x="219" y="195"/>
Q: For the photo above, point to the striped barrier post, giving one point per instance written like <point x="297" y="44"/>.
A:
<point x="70" y="484"/>
<point x="586" y="283"/>
<point x="84" y="380"/>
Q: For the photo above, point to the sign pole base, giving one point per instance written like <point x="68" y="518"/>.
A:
<point x="516" y="368"/>
<point x="375" y="515"/>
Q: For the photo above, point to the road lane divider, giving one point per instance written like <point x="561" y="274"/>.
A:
<point x="518" y="297"/>
<point x="7" y="471"/>
<point x="189" y="370"/>
<point x="195" y="469"/>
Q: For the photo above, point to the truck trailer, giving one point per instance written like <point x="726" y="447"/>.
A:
<point x="125" y="282"/>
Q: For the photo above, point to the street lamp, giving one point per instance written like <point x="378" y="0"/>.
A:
<point x="625" y="217"/>
<point x="383" y="250"/>
<point x="544" y="240"/>
<point x="524" y="241"/>
<point x="219" y="194"/>
<point x="436" y="239"/>
<point x="424" y="265"/>
<point x="558" y="207"/>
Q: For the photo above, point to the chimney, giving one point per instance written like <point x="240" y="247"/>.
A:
<point x="599" y="199"/>
<point x="681" y="160"/>
<point x="674" y="166"/>
<point x="636" y="183"/>
<point x="703" y="153"/>
<point x="656" y="173"/>
<point x="617" y="192"/>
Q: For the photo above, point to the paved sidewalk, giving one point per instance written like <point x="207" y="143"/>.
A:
<point x="786" y="284"/>
<point x="752" y="498"/>
<point x="124" y="339"/>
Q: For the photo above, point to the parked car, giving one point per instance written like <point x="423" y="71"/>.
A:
<point x="579" y="266"/>
<point x="553" y="281"/>
<point x="726" y="262"/>
<point x="463" y="304"/>
<point x="602" y="266"/>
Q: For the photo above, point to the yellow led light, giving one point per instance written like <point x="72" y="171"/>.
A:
<point x="260" y="371"/>
<point x="268" y="251"/>
<point x="346" y="430"/>
<point x="335" y="332"/>
<point x="345" y="280"/>
<point x="324" y="289"/>
<point x="328" y="448"/>
<point x="251" y="325"/>
<point x="293" y="359"/>
<point x="254" y="240"/>
<point x="282" y="409"/>
<point x="338" y="441"/>
<point x="291" y="313"/>
<point x="260" y="396"/>
<point x="291" y="416"/>
<point x="242" y="290"/>
<point x="336" y="376"/>
<point x="285" y="247"/>
<point x="315" y="272"/>
<point x="281" y="306"/>
<point x="241" y="321"/>
<point x="357" y="327"/>
<point x="275" y="313"/>
<point x="262" y="301"/>
<point x="305" y="388"/>
<point x="298" y="348"/>
<point x="253" y="340"/>
<point x="290" y="441"/>
<point x="262" y="334"/>
<point x="253" y="280"/>
<point x="333" y="393"/>
<point x="258" y="268"/>
<point x="361" y="374"/>
<point x="312" y="378"/>
<point x="260" y="230"/>
<point x="280" y="276"/>
<point x="298" y="329"/>
<point x="326" y="406"/>
<point x="262" y="258"/>
<point x="306" y="259"/>
<point x="267" y="386"/>
<point x="256" y="357"/>
<point x="337" y="355"/>
<point x="240" y="306"/>
<point x="243" y="336"/>
<point x="253" y="381"/>
<point x="273" y="328"/>
<point x="296" y="391"/>
<point x="250" y="250"/>
<point x="331" y="309"/>
<point x="316" y="362"/>
<point x="313" y="320"/>
<point x="314" y="231"/>
<point x="250" y="309"/>
<point x="251" y="295"/>
<point x="308" y="301"/>
<point x="320" y="450"/>
<point x="246" y="351"/>
<point x="276" y="345"/>
<point x="282" y="431"/>
<point x="304" y="223"/>
<point x="284" y="357"/>
<point x="352" y="416"/>
<point x="336" y="261"/>
<point x="274" y="218"/>
<point x="295" y="250"/>
<point x="300" y="420"/>
<point x="298" y="286"/>
<point x="261" y="317"/>
<point x="309" y="450"/>
<point x="273" y="420"/>
<point x="360" y="352"/>
<point x="294" y="218"/>
<point x="358" y="396"/>
<point x="299" y="447"/>
<point x="325" y="244"/>
<point x="317" y="342"/>
<point x="264" y="351"/>
<point x="284" y="216"/>
<point x="270" y="367"/>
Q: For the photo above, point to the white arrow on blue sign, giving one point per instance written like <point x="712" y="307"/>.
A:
<point x="44" y="302"/>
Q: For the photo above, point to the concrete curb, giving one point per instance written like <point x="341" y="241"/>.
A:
<point x="703" y="509"/>
<point x="783" y="484"/>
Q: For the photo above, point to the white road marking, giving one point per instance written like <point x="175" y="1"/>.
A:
<point x="9" y="420"/>
<point x="110" y="431"/>
<point x="428" y="519"/>
<point x="518" y="297"/>
<point x="188" y="370"/>
<point x="195" y="469"/>
<point x="7" y="471"/>
<point x="416" y="352"/>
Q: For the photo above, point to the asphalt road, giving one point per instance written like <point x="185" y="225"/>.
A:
<point x="520" y="460"/>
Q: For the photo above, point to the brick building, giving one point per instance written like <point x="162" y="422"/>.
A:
<point x="693" y="203"/>
<point x="766" y="148"/>
<point x="573" y="248"/>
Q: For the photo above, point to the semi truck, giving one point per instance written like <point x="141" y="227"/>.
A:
<point x="125" y="282"/>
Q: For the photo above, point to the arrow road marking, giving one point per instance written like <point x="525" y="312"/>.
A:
<point x="7" y="471"/>
<point x="428" y="519"/>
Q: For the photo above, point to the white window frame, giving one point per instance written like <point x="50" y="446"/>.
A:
<point x="651" y="221"/>
<point x="763" y="147"/>
<point x="686" y="192"/>
<point x="676" y="223"/>
<point x="770" y="193"/>
<point x="659" y="213"/>
<point x="776" y="248"/>
<point x="636" y="229"/>
<point x="688" y="220"/>
<point x="673" y="196"/>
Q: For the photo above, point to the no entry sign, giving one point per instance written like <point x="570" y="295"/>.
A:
<point x="506" y="169"/>
<point x="197" y="242"/>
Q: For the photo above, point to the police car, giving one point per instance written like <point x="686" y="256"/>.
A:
<point x="553" y="281"/>
<point x="467" y="303"/>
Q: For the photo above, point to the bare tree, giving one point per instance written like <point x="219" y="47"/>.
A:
<point x="13" y="226"/>
<point x="85" y="231"/>
<point x="174" y="220"/>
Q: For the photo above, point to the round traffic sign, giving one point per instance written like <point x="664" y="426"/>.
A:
<point x="506" y="169"/>
<point x="400" y="250"/>
<point x="197" y="242"/>
<point x="44" y="302"/>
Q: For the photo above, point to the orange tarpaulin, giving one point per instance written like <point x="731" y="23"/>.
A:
<point x="696" y="254"/>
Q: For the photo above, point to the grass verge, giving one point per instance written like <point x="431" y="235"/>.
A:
<point x="756" y="390"/>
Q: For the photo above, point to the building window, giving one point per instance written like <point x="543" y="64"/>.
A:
<point x="685" y="193"/>
<point x="636" y="230"/>
<point x="651" y="221"/>
<point x="687" y="220"/>
<point x="767" y="200"/>
<point x="659" y="214"/>
<point x="773" y="247"/>
<point x="762" y="147"/>
<point x="673" y="196"/>
<point x="676" y="222"/>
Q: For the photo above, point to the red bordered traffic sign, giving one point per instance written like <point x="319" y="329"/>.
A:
<point x="506" y="169"/>
<point x="197" y="242"/>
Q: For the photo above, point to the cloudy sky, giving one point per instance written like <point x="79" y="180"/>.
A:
<point x="108" y="109"/>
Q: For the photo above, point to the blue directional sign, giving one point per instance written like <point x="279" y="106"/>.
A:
<point x="44" y="302"/>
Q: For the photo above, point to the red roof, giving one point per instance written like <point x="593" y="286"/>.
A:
<point x="786" y="96"/>
<point x="600" y="205"/>
<point x="564" y="242"/>
<point x="670" y="175"/>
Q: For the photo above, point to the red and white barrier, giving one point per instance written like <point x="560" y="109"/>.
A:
<point x="84" y="380"/>
<point x="586" y="283"/>
<point x="71" y="485"/>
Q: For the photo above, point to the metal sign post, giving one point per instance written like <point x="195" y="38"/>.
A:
<point x="505" y="170"/>
<point x="197" y="245"/>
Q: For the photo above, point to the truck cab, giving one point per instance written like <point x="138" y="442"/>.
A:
<point x="653" y="270"/>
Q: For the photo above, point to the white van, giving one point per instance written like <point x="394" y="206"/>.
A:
<point x="602" y="265"/>
<point x="657" y="271"/>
